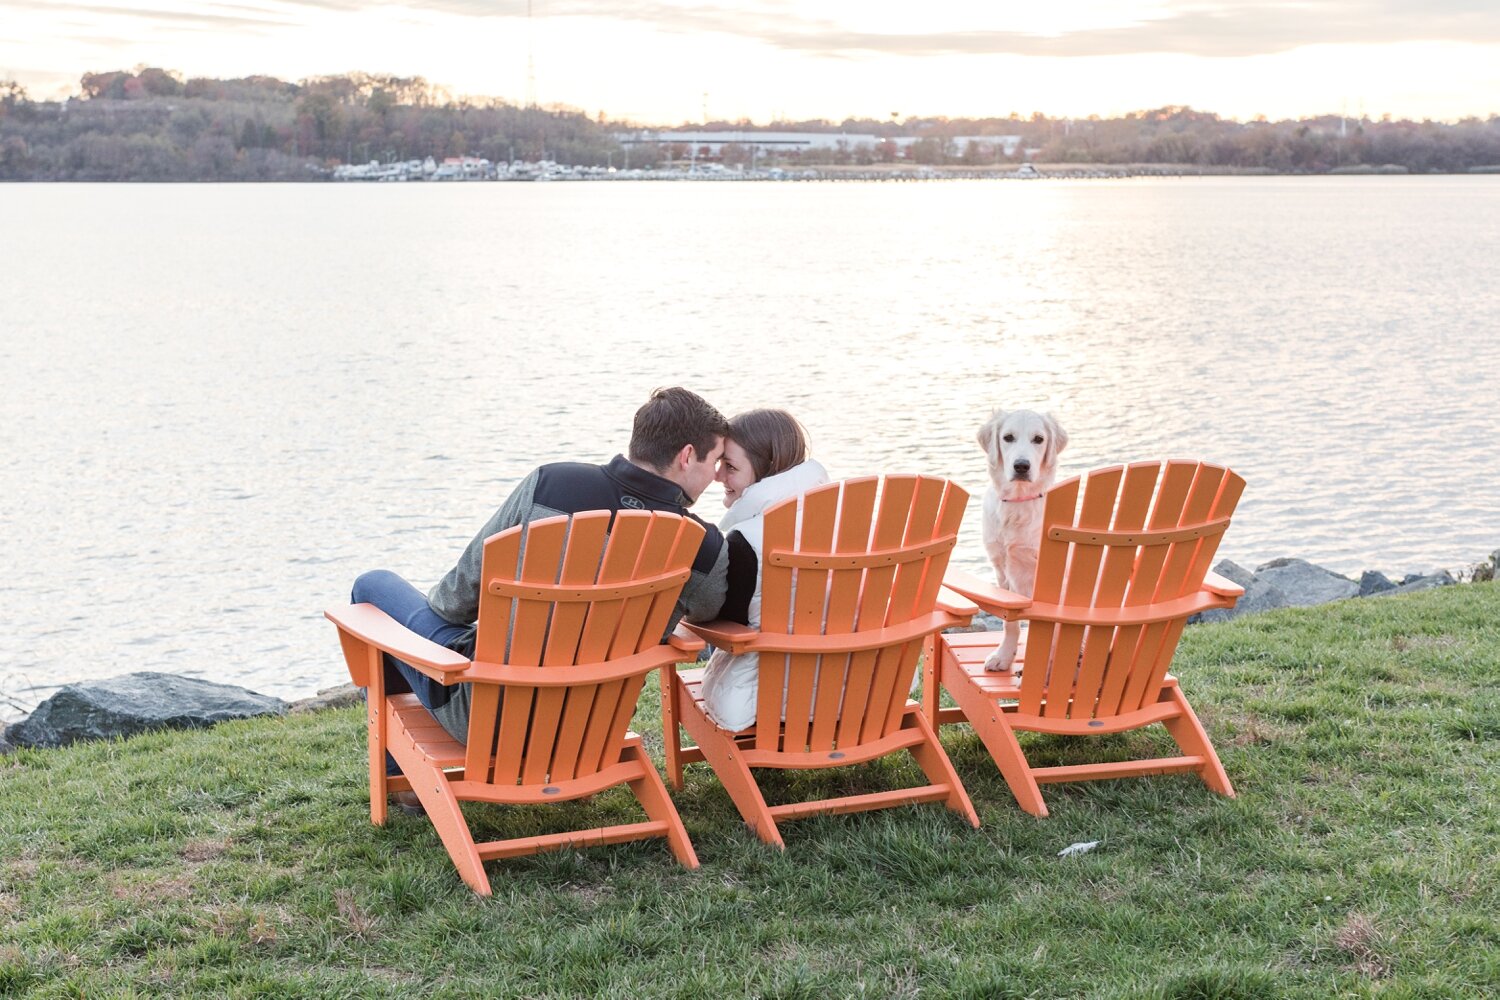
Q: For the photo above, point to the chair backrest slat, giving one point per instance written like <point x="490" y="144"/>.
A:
<point x="817" y="516"/>
<point x="596" y="704"/>
<point x="852" y="537"/>
<point x="580" y="569"/>
<point x="845" y="558"/>
<point x="589" y="588"/>
<point x="1186" y="565"/>
<point x="1051" y="565"/>
<point x="1134" y="501"/>
<point x="1100" y="493"/>
<point x="1142" y="536"/>
<point x="897" y="669"/>
<point x="867" y="528"/>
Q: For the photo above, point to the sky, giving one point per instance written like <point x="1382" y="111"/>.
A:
<point x="670" y="62"/>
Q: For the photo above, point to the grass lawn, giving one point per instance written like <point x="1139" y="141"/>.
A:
<point x="1362" y="857"/>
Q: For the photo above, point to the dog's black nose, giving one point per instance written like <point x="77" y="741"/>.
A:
<point x="1021" y="465"/>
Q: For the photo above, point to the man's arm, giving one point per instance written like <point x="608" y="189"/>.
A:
<point x="704" y="594"/>
<point x="456" y="596"/>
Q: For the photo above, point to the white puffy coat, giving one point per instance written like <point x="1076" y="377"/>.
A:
<point x="729" y="683"/>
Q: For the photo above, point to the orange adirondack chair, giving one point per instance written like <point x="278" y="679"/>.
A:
<point x="846" y="603"/>
<point x="1117" y="577"/>
<point x="584" y="614"/>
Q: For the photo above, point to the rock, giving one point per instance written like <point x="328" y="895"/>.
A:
<point x="1260" y="595"/>
<point x="1303" y="584"/>
<point x="1234" y="572"/>
<point x="1371" y="582"/>
<point x="6" y="746"/>
<point x="137" y="703"/>
<point x="1414" y="583"/>
<point x="989" y="623"/>
<point x="334" y="697"/>
<point x="983" y="622"/>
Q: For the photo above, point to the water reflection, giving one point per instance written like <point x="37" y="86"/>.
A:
<point x="222" y="403"/>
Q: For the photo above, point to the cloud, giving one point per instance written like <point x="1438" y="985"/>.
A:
<point x="1188" y="27"/>
<point x="1229" y="28"/>
<point x="234" y="16"/>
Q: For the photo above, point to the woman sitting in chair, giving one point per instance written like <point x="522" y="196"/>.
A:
<point x="765" y="462"/>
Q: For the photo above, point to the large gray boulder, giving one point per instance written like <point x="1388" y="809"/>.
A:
<point x="1234" y="572"/>
<point x="340" y="696"/>
<point x="1442" y="578"/>
<point x="1372" y="582"/>
<point x="137" y="703"/>
<point x="1260" y="594"/>
<point x="1304" y="584"/>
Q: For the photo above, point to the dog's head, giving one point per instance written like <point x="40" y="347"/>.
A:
<point x="1022" y="447"/>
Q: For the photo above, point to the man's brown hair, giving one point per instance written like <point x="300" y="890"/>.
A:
<point x="773" y="440"/>
<point x="670" y="419"/>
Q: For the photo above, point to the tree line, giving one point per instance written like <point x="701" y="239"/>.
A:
<point x="151" y="124"/>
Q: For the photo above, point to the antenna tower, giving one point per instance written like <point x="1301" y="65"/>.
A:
<point x="530" y="60"/>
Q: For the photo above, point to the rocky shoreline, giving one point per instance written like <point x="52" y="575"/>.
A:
<point x="147" y="701"/>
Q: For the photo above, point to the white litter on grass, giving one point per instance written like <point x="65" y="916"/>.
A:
<point x="1082" y="847"/>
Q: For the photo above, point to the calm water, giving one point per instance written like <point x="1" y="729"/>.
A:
<point x="221" y="403"/>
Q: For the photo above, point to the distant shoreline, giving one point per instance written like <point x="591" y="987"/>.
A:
<point x="875" y="173"/>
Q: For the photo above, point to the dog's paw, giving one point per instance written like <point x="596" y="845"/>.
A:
<point x="1001" y="660"/>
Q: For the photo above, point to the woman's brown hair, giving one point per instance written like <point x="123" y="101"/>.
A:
<point x="773" y="440"/>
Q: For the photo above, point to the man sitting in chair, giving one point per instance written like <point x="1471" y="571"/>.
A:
<point x="675" y="446"/>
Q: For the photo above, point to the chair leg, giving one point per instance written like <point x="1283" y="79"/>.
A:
<point x="437" y="797"/>
<point x="671" y="733"/>
<point x="723" y="756"/>
<point x="652" y="795"/>
<point x="934" y="763"/>
<point x="1193" y="739"/>
<point x="375" y="716"/>
<point x="999" y="739"/>
<point x="931" y="688"/>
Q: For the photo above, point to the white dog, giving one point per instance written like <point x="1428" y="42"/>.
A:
<point x="1022" y="448"/>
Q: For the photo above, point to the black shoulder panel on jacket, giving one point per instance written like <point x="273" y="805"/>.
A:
<point x="573" y="487"/>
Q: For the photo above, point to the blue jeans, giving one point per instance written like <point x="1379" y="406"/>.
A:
<point x="408" y="605"/>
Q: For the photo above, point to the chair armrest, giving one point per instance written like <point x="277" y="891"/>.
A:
<point x="956" y="604"/>
<point x="1216" y="584"/>
<point x="684" y="641"/>
<point x="724" y="634"/>
<point x="1000" y="603"/>
<point x="369" y="624"/>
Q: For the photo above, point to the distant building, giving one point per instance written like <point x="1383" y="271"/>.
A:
<point x="1004" y="145"/>
<point x="710" y="143"/>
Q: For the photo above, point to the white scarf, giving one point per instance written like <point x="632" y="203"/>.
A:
<point x="772" y="490"/>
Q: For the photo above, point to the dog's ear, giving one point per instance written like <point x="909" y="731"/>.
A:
<point x="1057" y="438"/>
<point x="989" y="430"/>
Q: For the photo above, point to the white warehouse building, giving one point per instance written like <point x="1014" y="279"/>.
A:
<point x="712" y="143"/>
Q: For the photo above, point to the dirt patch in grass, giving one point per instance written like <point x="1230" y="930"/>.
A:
<point x="589" y="894"/>
<point x="157" y="889"/>
<point x="1254" y="731"/>
<point x="359" y="922"/>
<point x="199" y="851"/>
<point x="21" y="869"/>
<point x="1365" y="944"/>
